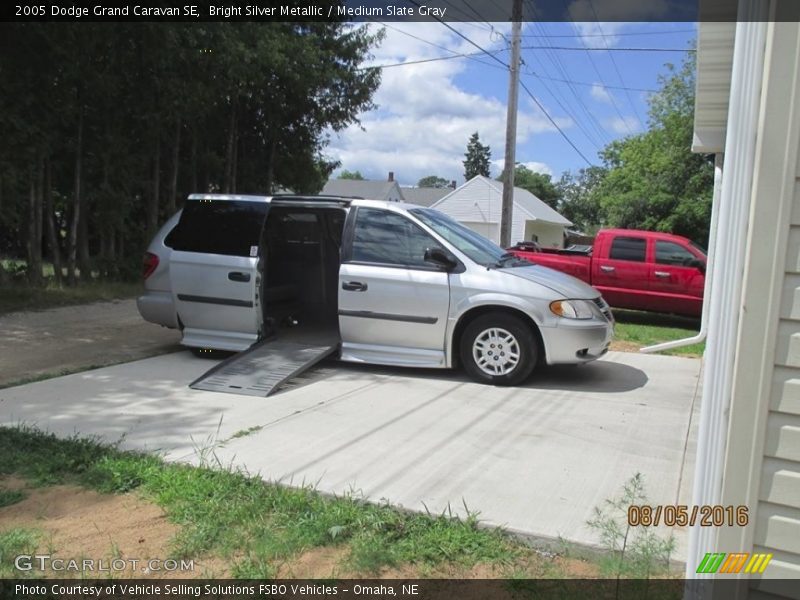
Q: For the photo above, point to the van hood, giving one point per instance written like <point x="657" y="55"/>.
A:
<point x="567" y="285"/>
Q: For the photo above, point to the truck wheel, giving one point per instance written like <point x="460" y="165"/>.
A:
<point x="500" y="349"/>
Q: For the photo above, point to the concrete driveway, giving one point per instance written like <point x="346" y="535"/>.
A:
<point x="535" y="459"/>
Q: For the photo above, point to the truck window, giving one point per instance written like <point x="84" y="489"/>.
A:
<point x="219" y="227"/>
<point x="628" y="248"/>
<point x="383" y="237"/>
<point x="670" y="253"/>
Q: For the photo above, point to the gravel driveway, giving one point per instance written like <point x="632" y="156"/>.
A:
<point x="77" y="337"/>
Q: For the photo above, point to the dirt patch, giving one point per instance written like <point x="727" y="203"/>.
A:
<point x="78" y="337"/>
<point x="77" y="524"/>
<point x="621" y="346"/>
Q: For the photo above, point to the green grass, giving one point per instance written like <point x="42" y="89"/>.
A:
<point x="256" y="525"/>
<point x="18" y="296"/>
<point x="14" y="542"/>
<point x="647" y="329"/>
<point x="9" y="497"/>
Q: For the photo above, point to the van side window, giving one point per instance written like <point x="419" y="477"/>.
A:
<point x="669" y="253"/>
<point x="383" y="237"/>
<point x="628" y="248"/>
<point x="219" y="227"/>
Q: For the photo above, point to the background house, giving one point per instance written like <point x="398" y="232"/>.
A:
<point x="477" y="204"/>
<point x="747" y="108"/>
<point x="425" y="196"/>
<point x="363" y="188"/>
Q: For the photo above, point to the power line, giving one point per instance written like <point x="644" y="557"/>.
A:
<point x="461" y="35"/>
<point x="427" y="60"/>
<point x="622" y="33"/>
<point x="493" y="57"/>
<point x="457" y="55"/>
<point x="616" y="68"/>
<point x="586" y="83"/>
<point x="564" y="135"/>
<point x="610" y="96"/>
<point x="588" y="49"/>
<point x="601" y="133"/>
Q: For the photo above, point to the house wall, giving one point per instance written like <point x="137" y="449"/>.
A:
<point x="549" y="235"/>
<point x="475" y="202"/>
<point x="762" y="456"/>
<point x="487" y="230"/>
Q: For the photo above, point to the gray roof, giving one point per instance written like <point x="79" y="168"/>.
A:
<point x="535" y="208"/>
<point x="424" y="196"/>
<point x="374" y="190"/>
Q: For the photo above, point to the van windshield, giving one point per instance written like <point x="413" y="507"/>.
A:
<point x="475" y="246"/>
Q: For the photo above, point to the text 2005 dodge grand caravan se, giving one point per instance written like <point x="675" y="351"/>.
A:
<point x="391" y="283"/>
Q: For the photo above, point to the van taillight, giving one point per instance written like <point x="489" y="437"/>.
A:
<point x="150" y="264"/>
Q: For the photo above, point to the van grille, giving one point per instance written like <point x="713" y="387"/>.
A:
<point x="604" y="308"/>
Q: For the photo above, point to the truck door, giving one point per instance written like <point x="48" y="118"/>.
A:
<point x="676" y="280"/>
<point x="622" y="275"/>
<point x="213" y="272"/>
<point x="393" y="306"/>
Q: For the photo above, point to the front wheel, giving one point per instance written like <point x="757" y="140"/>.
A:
<point x="498" y="348"/>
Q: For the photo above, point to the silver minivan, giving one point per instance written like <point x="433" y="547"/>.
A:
<point x="389" y="283"/>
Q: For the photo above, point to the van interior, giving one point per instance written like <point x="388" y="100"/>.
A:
<point x="300" y="272"/>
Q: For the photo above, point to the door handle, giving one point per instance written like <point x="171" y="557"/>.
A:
<point x="607" y="269"/>
<point x="239" y="276"/>
<point x="661" y="274"/>
<point x="354" y="286"/>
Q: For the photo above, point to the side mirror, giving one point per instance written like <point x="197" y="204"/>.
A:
<point x="700" y="265"/>
<point x="441" y="258"/>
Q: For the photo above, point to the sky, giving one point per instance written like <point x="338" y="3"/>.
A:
<point x="426" y="111"/>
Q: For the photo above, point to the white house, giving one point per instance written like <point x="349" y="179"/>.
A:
<point x="477" y="204"/>
<point x="747" y="108"/>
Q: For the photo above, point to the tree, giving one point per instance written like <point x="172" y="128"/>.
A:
<point x="106" y="127"/>
<point x="477" y="158"/>
<point x="433" y="181"/>
<point x="654" y="181"/>
<point x="538" y="184"/>
<point x="579" y="202"/>
<point x="345" y="174"/>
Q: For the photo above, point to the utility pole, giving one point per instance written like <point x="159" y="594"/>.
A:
<point x="511" y="127"/>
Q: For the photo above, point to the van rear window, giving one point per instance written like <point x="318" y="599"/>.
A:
<point x="219" y="227"/>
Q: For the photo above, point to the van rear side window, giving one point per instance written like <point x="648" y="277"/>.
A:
<point x="219" y="227"/>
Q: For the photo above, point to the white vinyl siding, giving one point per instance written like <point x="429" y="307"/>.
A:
<point x="777" y="516"/>
<point x="487" y="230"/>
<point x="480" y="201"/>
<point x="777" y="529"/>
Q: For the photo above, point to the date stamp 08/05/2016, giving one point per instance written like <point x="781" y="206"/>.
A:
<point x="681" y="515"/>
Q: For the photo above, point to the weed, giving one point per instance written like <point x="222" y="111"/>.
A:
<point x="9" y="497"/>
<point x="634" y="552"/>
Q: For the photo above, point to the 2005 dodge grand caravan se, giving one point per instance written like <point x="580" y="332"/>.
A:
<point x="391" y="283"/>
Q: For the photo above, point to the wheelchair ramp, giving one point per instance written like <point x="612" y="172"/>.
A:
<point x="260" y="370"/>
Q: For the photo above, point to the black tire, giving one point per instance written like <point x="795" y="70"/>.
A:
<point x="521" y="333"/>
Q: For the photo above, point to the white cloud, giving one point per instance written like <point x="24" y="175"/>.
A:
<point x="600" y="93"/>
<point x="539" y="167"/>
<point x="425" y="119"/>
<point x="536" y="167"/>
<point x="623" y="126"/>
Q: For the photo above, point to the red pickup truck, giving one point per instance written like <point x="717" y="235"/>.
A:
<point x="642" y="270"/>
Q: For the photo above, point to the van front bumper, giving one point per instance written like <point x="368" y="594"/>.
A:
<point x="574" y="341"/>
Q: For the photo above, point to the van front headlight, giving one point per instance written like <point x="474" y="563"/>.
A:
<point x="572" y="309"/>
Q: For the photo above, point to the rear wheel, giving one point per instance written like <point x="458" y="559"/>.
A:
<point x="500" y="349"/>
